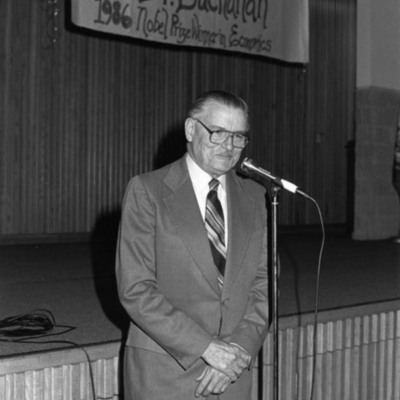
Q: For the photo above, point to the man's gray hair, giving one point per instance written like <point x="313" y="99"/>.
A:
<point x="221" y="97"/>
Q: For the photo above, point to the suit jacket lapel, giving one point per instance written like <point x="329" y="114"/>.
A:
<point x="240" y="225"/>
<point x="185" y="213"/>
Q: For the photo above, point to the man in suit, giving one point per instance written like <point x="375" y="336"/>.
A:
<point x="192" y="265"/>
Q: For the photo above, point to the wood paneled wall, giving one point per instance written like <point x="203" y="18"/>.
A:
<point x="80" y="116"/>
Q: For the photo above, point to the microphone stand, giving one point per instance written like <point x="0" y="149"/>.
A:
<point x="275" y="290"/>
<point x="276" y="185"/>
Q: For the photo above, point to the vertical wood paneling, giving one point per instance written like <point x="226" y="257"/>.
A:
<point x="357" y="358"/>
<point x="79" y="118"/>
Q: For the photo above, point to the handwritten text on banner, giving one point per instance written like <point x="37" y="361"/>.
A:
<point x="272" y="28"/>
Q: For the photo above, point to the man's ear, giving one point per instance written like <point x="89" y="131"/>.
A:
<point x="189" y="129"/>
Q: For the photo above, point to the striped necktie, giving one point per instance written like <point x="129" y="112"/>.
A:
<point x="215" y="226"/>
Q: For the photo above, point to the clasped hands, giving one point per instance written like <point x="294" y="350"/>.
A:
<point x="226" y="362"/>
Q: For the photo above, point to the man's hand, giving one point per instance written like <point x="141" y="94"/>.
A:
<point x="227" y="358"/>
<point x="211" y="381"/>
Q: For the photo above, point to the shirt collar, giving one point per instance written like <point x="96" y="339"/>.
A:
<point x="199" y="177"/>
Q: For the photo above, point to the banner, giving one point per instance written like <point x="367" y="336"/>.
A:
<point x="271" y="28"/>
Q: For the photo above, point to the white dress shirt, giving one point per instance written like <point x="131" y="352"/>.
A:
<point x="200" y="181"/>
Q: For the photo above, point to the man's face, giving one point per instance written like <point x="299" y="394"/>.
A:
<point x="215" y="159"/>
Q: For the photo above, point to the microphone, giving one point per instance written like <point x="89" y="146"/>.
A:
<point x="250" y="166"/>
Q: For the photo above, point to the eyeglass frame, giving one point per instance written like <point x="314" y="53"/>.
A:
<point x="211" y="132"/>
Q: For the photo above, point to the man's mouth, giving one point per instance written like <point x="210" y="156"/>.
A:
<point x="224" y="155"/>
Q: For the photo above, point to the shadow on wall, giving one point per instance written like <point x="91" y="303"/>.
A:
<point x="103" y="247"/>
<point x="104" y="240"/>
<point x="172" y="146"/>
<point x="105" y="234"/>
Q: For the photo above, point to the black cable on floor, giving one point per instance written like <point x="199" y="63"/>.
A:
<point x="32" y="324"/>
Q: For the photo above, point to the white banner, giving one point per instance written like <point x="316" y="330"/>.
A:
<point x="271" y="28"/>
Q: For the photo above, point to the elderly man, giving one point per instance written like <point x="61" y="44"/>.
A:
<point x="192" y="265"/>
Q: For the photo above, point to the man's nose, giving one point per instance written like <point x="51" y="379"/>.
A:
<point x="228" y="142"/>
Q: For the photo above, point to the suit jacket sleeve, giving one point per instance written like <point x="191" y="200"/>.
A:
<point x="249" y="287"/>
<point x="252" y="329"/>
<point x="139" y="291"/>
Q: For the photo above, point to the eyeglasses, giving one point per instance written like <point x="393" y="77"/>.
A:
<point x="218" y="136"/>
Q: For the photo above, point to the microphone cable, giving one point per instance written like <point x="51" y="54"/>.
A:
<point x="315" y="325"/>
<point x="35" y="323"/>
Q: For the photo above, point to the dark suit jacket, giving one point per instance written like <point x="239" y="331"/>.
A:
<point x="168" y="283"/>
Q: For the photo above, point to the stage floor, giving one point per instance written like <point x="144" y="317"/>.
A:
<point x="76" y="282"/>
